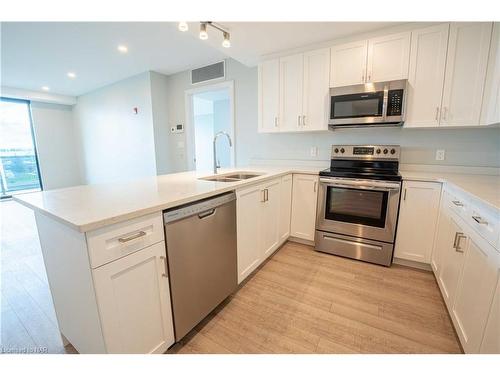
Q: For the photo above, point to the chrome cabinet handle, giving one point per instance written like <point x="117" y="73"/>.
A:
<point x="303" y="120"/>
<point x="266" y="195"/>
<point x="479" y="220"/>
<point x="437" y="113"/>
<point x="369" y="76"/>
<point x="457" y="203"/>
<point x="263" y="197"/>
<point x="165" y="264"/>
<point x="404" y="195"/>
<point x="363" y="76"/>
<point x="134" y="236"/>
<point x="315" y="185"/>
<point x="455" y="240"/>
<point x="459" y="238"/>
<point x="445" y="113"/>
<point x="276" y="122"/>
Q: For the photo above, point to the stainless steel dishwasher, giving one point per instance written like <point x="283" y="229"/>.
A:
<point x="201" y="252"/>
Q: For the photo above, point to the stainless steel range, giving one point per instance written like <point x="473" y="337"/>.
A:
<point x="358" y="203"/>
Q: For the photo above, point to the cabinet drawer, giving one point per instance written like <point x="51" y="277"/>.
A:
<point x="486" y="224"/>
<point x="117" y="240"/>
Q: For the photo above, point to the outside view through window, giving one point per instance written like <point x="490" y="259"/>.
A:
<point x="18" y="164"/>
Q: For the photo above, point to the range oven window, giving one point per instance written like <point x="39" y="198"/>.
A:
<point x="356" y="206"/>
<point x="357" y="105"/>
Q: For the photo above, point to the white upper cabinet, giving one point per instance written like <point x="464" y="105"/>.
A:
<point x="426" y="77"/>
<point x="491" y="102"/>
<point x="466" y="63"/>
<point x="291" y="88"/>
<point x="348" y="64"/>
<point x="419" y="209"/>
<point x="269" y="94"/>
<point x="316" y="90"/>
<point x="388" y="58"/>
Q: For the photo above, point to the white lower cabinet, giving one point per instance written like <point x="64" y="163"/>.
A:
<point x="444" y="236"/>
<point x="491" y="338"/>
<point x="419" y="208"/>
<point x="134" y="302"/>
<point x="261" y="223"/>
<point x="304" y="199"/>
<point x="475" y="291"/>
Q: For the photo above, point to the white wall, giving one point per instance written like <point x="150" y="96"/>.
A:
<point x="159" y="94"/>
<point x="466" y="147"/>
<point x="56" y="145"/>
<point x="116" y="144"/>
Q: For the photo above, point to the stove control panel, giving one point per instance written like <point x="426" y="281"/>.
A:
<point x="368" y="152"/>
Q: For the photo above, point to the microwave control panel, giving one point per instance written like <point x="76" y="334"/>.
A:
<point x="395" y="103"/>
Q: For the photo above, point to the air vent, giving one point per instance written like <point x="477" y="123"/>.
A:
<point x="208" y="73"/>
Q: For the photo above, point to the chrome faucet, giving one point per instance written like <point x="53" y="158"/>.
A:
<point x="215" y="148"/>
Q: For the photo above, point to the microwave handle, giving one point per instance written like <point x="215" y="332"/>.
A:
<point x="385" y="102"/>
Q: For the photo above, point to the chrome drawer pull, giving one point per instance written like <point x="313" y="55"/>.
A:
<point x="458" y="203"/>
<point x="480" y="220"/>
<point x="459" y="238"/>
<point x="132" y="237"/>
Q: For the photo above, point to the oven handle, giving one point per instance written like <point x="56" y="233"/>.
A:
<point x="363" y="184"/>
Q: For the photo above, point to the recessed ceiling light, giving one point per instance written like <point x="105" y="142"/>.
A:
<point x="122" y="48"/>
<point x="183" y="26"/>
<point x="71" y="75"/>
<point x="203" y="31"/>
<point x="45" y="88"/>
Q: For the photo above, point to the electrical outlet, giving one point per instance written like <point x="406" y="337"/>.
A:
<point x="440" y="154"/>
<point x="314" y="151"/>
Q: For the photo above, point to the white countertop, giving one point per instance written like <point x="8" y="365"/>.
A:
<point x="485" y="188"/>
<point x="89" y="207"/>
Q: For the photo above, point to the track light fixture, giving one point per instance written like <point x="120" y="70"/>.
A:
<point x="226" y="43"/>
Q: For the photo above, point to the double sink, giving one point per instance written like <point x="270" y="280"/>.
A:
<point x="232" y="177"/>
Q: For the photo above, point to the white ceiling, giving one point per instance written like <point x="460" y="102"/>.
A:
<point x="40" y="54"/>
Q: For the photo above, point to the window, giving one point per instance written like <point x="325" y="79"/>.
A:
<point x="19" y="171"/>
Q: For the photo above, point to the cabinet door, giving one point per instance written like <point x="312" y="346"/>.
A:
<point x="285" y="207"/>
<point x="304" y="197"/>
<point x="451" y="265"/>
<point x="316" y="90"/>
<point x="426" y="77"/>
<point x="444" y="235"/>
<point x="248" y="209"/>
<point x="269" y="91"/>
<point x="269" y="217"/>
<point x="491" y="103"/>
<point x="418" y="213"/>
<point x="291" y="87"/>
<point x="348" y="64"/>
<point x="134" y="302"/>
<point x="466" y="63"/>
<point x="388" y="57"/>
<point x="475" y="292"/>
<point x="491" y="338"/>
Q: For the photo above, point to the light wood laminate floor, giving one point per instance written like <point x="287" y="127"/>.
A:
<point x="300" y="301"/>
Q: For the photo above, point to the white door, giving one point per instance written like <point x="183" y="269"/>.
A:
<point x="444" y="235"/>
<point x="466" y="63"/>
<point x="269" y="217"/>
<point x="451" y="265"/>
<point x="134" y="302"/>
<point x="316" y="90"/>
<point x="388" y="57"/>
<point x="285" y="207"/>
<point x="291" y="87"/>
<point x="269" y="94"/>
<point x="491" y="338"/>
<point x="348" y="64"/>
<point x="248" y="214"/>
<point x="304" y="199"/>
<point x="490" y="113"/>
<point x="475" y="292"/>
<point x="426" y="77"/>
<point x="418" y="214"/>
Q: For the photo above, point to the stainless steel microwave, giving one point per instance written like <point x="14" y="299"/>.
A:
<point x="368" y="105"/>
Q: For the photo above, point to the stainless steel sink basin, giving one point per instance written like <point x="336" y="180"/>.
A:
<point x="232" y="177"/>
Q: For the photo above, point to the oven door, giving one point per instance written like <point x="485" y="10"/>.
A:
<point x="359" y="208"/>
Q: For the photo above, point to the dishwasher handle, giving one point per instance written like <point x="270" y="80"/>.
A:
<point x="207" y="213"/>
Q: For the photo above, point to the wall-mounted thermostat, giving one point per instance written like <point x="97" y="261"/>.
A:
<point x="179" y="128"/>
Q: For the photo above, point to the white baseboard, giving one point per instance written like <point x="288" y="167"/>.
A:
<point x="300" y="240"/>
<point x="412" y="264"/>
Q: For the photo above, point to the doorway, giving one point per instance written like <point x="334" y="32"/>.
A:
<point x="209" y="111"/>
<point x="19" y="170"/>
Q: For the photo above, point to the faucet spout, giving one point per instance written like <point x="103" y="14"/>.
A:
<point x="215" y="148"/>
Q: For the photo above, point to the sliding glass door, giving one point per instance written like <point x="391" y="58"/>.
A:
<point x="19" y="171"/>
